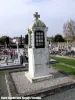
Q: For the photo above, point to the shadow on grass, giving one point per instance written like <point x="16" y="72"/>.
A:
<point x="64" y="69"/>
<point x="63" y="72"/>
<point x="59" y="74"/>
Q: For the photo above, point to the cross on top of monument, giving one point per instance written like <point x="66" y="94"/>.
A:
<point x="36" y="15"/>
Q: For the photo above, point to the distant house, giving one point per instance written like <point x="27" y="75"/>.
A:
<point x="15" y="39"/>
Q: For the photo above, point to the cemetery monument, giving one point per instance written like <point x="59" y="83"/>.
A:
<point x="38" y="51"/>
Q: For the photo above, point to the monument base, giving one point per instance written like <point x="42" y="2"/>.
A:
<point x="38" y="79"/>
<point x="18" y="85"/>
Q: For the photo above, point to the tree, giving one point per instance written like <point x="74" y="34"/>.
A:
<point x="21" y="40"/>
<point x="69" y="28"/>
<point x="50" y="39"/>
<point x="26" y="39"/>
<point x="58" y="38"/>
<point x="4" y="39"/>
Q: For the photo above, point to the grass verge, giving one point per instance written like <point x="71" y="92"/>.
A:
<point x="64" y="60"/>
<point x="2" y="72"/>
<point x="64" y="68"/>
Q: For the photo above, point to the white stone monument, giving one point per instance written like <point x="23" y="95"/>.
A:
<point x="38" y="51"/>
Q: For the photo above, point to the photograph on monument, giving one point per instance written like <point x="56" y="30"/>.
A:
<point x="37" y="50"/>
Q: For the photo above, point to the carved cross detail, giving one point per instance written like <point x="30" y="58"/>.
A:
<point x="36" y="15"/>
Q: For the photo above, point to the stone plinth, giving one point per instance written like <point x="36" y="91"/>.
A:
<point x="19" y="85"/>
<point x="38" y="79"/>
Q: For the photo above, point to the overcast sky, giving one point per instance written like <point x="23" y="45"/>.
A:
<point x="17" y="15"/>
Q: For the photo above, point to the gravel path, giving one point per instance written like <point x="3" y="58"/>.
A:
<point x="66" y="95"/>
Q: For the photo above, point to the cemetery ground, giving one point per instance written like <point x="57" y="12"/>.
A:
<point x="64" y="64"/>
<point x="57" y="66"/>
<point x="4" y="91"/>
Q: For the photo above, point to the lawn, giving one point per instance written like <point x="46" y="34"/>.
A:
<point x="64" y="68"/>
<point x="2" y="72"/>
<point x="64" y="60"/>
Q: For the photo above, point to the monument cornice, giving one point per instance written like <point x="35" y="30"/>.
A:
<point x="40" y="28"/>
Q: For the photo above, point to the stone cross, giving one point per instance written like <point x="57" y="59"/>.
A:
<point x="36" y="15"/>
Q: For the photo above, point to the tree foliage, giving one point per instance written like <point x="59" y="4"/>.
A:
<point x="58" y="38"/>
<point x="69" y="28"/>
<point x="26" y="39"/>
<point x="50" y="39"/>
<point x="4" y="39"/>
<point x="21" y="40"/>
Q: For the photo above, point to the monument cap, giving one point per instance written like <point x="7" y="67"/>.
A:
<point x="37" y="22"/>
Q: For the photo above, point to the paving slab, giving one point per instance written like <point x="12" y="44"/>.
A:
<point x="12" y="67"/>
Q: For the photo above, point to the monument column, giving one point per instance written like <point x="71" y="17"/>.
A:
<point x="38" y="51"/>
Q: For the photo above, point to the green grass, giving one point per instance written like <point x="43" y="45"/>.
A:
<point x="2" y="72"/>
<point x="64" y="60"/>
<point x="64" y="68"/>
